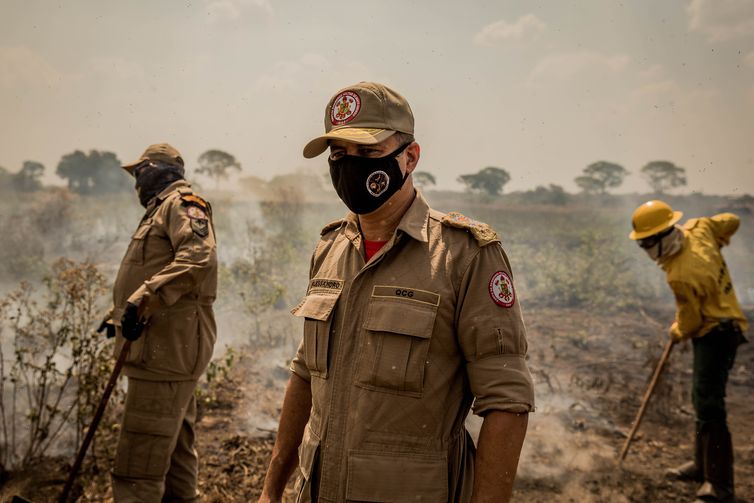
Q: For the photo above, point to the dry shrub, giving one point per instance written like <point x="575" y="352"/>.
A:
<point x="263" y="280"/>
<point x="53" y="367"/>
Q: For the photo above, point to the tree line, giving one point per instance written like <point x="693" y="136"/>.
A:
<point x="597" y="178"/>
<point x="97" y="172"/>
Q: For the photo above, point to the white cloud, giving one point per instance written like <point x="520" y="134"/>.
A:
<point x="502" y="31"/>
<point x="23" y="67"/>
<point x="575" y="64"/>
<point x="749" y="59"/>
<point x="654" y="92"/>
<point x="234" y="10"/>
<point x="290" y="74"/>
<point x="721" y="20"/>
<point x="652" y="73"/>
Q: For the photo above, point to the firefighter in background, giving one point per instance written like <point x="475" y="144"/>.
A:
<point x="162" y="301"/>
<point x="708" y="313"/>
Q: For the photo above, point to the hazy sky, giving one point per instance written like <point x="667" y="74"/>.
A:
<point x="539" y="88"/>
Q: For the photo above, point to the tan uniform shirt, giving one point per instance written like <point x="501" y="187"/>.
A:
<point x="700" y="279"/>
<point x="172" y="255"/>
<point x="397" y="349"/>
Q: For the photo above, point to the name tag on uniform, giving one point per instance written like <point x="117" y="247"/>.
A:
<point x="404" y="292"/>
<point x="325" y="284"/>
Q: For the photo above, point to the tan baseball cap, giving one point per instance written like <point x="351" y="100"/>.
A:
<point x="161" y="152"/>
<point x="364" y="113"/>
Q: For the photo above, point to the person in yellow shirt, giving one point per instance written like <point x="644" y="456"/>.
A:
<point x="708" y="313"/>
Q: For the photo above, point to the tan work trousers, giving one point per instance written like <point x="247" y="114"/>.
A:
<point x="156" y="460"/>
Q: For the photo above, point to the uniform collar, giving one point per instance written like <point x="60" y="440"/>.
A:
<point x="166" y="192"/>
<point x="413" y="222"/>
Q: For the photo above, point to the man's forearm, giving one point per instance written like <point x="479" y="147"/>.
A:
<point x="499" y="447"/>
<point x="293" y="418"/>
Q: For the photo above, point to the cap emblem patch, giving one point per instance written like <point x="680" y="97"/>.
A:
<point x="345" y="107"/>
<point x="196" y="213"/>
<point x="377" y="183"/>
<point x="501" y="289"/>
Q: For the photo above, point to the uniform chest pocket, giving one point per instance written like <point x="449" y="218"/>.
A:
<point x="317" y="311"/>
<point x="135" y="252"/>
<point x="395" y="345"/>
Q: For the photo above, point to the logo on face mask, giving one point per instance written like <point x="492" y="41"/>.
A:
<point x="345" y="106"/>
<point x="377" y="183"/>
<point x="366" y="183"/>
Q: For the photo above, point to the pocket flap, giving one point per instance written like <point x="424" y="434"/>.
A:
<point x="142" y="231"/>
<point x="401" y="317"/>
<point x="152" y="425"/>
<point x="396" y="478"/>
<point x="317" y="306"/>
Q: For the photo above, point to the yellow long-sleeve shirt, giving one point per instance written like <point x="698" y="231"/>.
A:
<point x="700" y="279"/>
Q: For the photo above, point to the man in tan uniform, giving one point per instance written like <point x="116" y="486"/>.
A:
<point x="708" y="313"/>
<point x="162" y="301"/>
<point x="410" y="318"/>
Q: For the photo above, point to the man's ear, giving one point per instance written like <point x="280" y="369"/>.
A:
<point x="413" y="152"/>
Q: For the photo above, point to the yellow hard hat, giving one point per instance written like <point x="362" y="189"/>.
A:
<point x="652" y="218"/>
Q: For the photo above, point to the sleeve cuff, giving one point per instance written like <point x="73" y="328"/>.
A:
<point x="138" y="295"/>
<point x="675" y="332"/>
<point x="501" y="382"/>
<point x="300" y="369"/>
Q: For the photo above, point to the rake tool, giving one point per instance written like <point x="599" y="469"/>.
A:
<point x="645" y="401"/>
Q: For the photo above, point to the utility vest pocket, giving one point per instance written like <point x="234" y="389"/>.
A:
<point x="387" y="477"/>
<point x="395" y="345"/>
<point x="317" y="310"/>
<point x="171" y="340"/>
<point x="135" y="252"/>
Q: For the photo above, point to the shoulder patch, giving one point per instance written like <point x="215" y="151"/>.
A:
<point x="192" y="198"/>
<point x="483" y="233"/>
<point x="332" y="225"/>
<point x="196" y="213"/>
<point x="501" y="289"/>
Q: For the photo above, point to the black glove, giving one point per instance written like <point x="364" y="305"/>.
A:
<point x="130" y="325"/>
<point x="107" y="325"/>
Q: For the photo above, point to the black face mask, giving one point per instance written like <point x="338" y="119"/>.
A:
<point x="152" y="179"/>
<point x="365" y="183"/>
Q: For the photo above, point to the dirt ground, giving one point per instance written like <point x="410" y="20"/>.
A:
<point x="590" y="372"/>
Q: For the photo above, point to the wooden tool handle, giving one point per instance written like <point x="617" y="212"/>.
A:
<point x="645" y="400"/>
<point x="95" y="422"/>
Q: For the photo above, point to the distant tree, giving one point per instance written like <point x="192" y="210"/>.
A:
<point x="587" y="184"/>
<point x="27" y="179"/>
<point x="600" y="176"/>
<point x="109" y="177"/>
<point x="664" y="175"/>
<point x="423" y="179"/>
<point x="5" y="179"/>
<point x="93" y="173"/>
<point x="216" y="164"/>
<point x="554" y="194"/>
<point x="489" y="180"/>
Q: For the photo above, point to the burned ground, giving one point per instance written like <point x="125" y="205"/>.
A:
<point x="589" y="379"/>
<point x="596" y="310"/>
